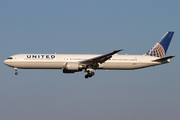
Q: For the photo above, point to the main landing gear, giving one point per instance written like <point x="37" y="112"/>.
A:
<point x="89" y="73"/>
<point x="15" y="69"/>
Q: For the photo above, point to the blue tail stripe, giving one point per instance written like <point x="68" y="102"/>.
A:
<point x="165" y="40"/>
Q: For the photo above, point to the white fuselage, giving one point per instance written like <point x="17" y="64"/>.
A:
<point x="58" y="61"/>
<point x="71" y="63"/>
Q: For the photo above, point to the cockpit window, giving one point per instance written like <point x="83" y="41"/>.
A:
<point x="9" y="58"/>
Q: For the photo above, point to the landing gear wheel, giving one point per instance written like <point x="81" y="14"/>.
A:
<point x="16" y="73"/>
<point x="15" y="69"/>
<point x="86" y="76"/>
<point x="92" y="73"/>
<point x="89" y="75"/>
<point x="89" y="72"/>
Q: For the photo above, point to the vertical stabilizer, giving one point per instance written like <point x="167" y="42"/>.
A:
<point x="160" y="48"/>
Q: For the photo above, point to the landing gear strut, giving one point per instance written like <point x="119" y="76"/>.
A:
<point x="15" y="69"/>
<point x="89" y="73"/>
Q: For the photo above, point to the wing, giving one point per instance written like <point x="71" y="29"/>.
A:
<point x="100" y="59"/>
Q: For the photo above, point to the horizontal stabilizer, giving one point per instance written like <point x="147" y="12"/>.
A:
<point x="163" y="59"/>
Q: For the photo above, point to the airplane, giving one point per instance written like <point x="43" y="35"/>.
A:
<point x="71" y="63"/>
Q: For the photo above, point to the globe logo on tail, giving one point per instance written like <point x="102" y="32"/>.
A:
<point x="157" y="50"/>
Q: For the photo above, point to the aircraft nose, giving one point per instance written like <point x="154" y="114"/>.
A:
<point x="6" y="62"/>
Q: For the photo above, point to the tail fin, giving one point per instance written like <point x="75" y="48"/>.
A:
<point x="160" y="48"/>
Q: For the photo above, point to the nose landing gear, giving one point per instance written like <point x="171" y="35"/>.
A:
<point x="15" y="69"/>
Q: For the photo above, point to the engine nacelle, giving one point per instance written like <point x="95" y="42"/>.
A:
<point x="72" y="67"/>
<point x="68" y="71"/>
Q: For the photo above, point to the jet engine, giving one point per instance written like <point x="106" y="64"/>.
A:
<point x="72" y="67"/>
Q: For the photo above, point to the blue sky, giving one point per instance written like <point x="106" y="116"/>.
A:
<point x="89" y="27"/>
